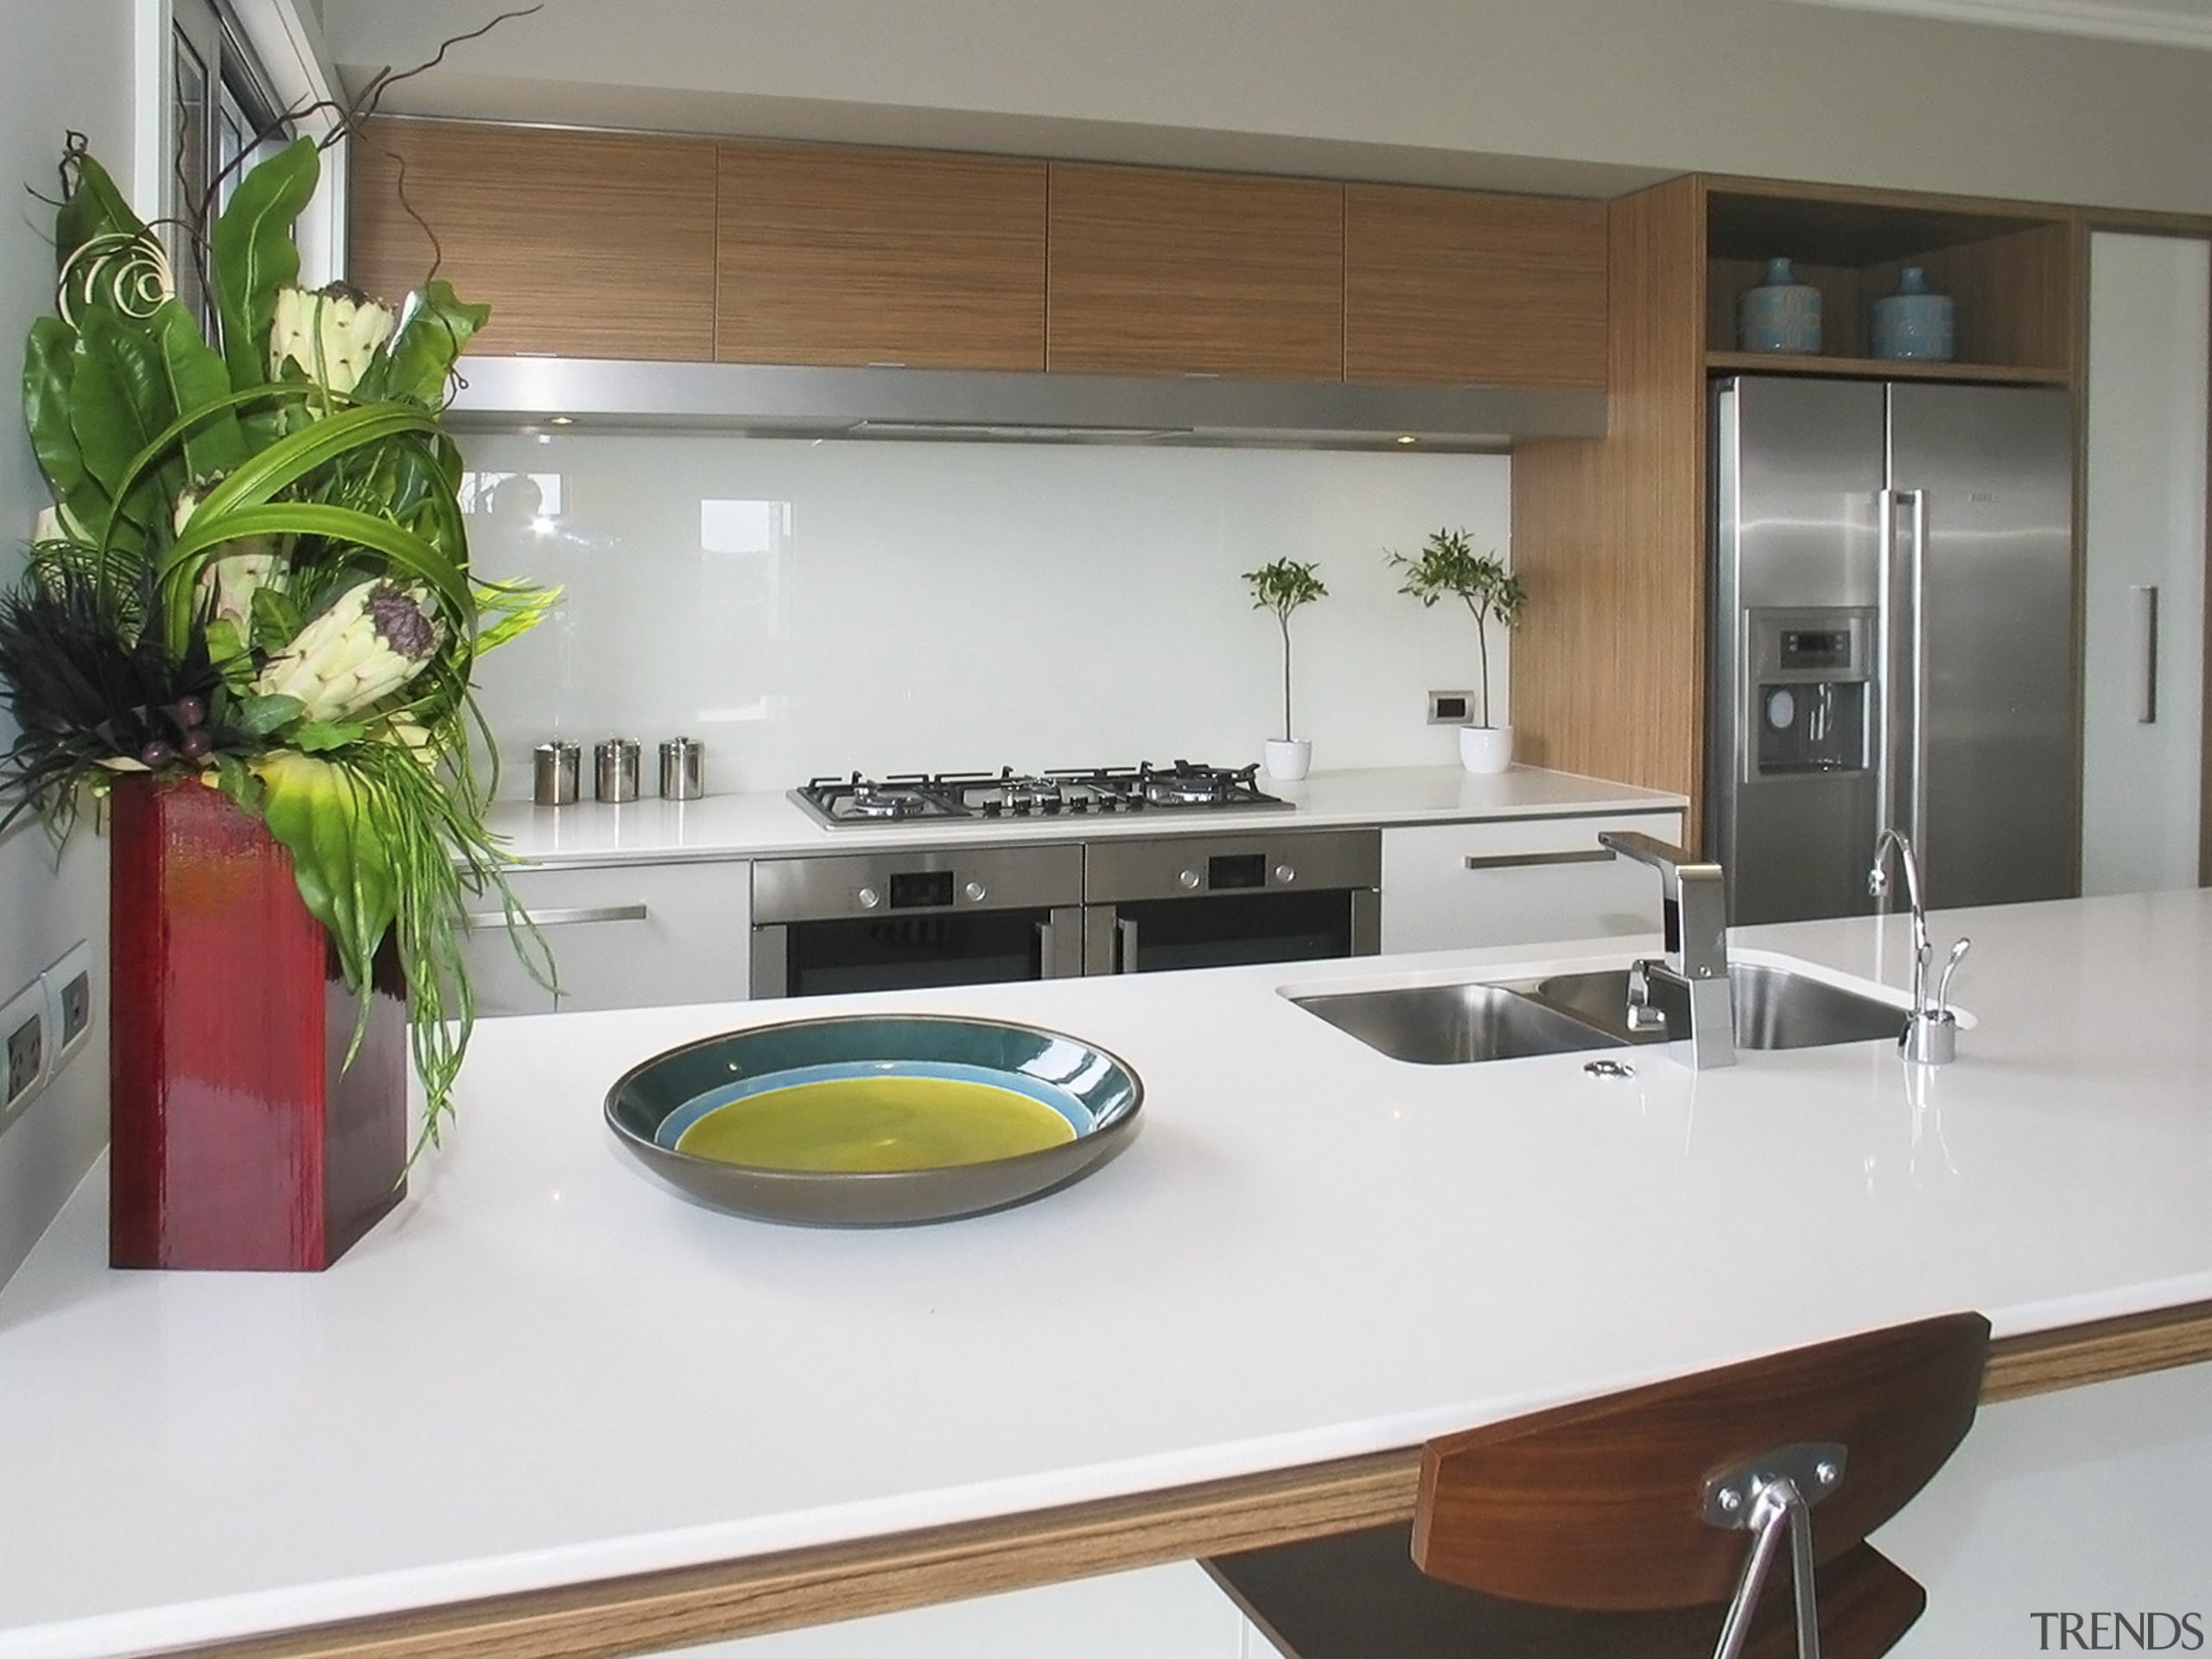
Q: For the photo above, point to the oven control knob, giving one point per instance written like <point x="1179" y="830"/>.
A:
<point x="1286" y="874"/>
<point x="869" y="897"/>
<point x="974" y="893"/>
<point x="1190" y="878"/>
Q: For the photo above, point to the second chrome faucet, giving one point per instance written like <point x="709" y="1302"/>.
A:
<point x="1931" y="1030"/>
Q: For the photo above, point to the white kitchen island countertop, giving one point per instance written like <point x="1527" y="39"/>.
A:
<point x="652" y="831"/>
<point x="544" y="1370"/>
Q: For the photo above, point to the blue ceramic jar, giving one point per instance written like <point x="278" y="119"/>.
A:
<point x="1780" y="315"/>
<point x="1913" y="322"/>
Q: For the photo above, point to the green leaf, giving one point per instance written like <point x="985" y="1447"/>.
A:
<point x="215" y="443"/>
<point x="276" y="618"/>
<point x="516" y="607"/>
<point x="434" y="327"/>
<point x="260" y="716"/>
<point x="253" y="255"/>
<point x="316" y="736"/>
<point x="225" y="648"/>
<point x="95" y="208"/>
<point x="236" y="781"/>
<point x="298" y="454"/>
<point x="119" y="402"/>
<point x="49" y="367"/>
<point x="341" y="860"/>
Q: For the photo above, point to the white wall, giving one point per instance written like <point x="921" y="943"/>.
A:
<point x="65" y="66"/>
<point x="1414" y="89"/>
<point x="815" y="608"/>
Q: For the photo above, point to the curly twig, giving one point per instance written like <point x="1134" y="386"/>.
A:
<point x="349" y="118"/>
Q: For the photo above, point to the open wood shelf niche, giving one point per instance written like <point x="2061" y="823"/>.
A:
<point x="2008" y="269"/>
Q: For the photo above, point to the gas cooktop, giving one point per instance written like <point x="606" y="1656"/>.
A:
<point x="843" y="803"/>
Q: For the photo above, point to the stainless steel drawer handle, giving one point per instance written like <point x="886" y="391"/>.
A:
<point x="2143" y="603"/>
<point x="566" y="917"/>
<point x="1530" y="860"/>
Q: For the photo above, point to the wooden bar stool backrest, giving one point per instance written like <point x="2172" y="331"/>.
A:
<point x="1599" y="1506"/>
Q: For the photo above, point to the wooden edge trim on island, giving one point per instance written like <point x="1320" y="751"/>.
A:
<point x="680" y="1606"/>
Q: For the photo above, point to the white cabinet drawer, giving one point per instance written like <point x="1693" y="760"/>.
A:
<point x="1517" y="881"/>
<point x="640" y="936"/>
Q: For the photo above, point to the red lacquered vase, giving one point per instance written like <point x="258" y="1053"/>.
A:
<point x="241" y="1138"/>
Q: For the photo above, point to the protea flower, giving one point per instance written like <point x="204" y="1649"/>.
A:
<point x="228" y="582"/>
<point x="57" y="524"/>
<point x="375" y="639"/>
<point x="331" y="333"/>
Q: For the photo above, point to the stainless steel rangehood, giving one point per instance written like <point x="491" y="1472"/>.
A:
<point x="770" y="401"/>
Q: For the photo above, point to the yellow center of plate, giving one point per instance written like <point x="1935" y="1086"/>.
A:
<point x="853" y="1124"/>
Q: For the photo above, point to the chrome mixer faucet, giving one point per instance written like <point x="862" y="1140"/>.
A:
<point x="1690" y="987"/>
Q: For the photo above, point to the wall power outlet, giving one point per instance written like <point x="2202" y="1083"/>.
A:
<point x="68" y="987"/>
<point x="22" y="1048"/>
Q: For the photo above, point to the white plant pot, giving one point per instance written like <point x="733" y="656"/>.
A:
<point x="1485" y="748"/>
<point x="1288" y="758"/>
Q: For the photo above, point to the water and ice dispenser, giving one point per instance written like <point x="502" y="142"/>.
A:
<point x="1809" y="704"/>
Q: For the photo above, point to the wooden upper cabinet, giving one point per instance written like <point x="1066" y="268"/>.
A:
<point x="1156" y="272"/>
<point x="1459" y="287"/>
<point x="584" y="244"/>
<point x="833" y="255"/>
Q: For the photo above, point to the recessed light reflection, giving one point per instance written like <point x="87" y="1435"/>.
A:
<point x="560" y="420"/>
<point x="1409" y="438"/>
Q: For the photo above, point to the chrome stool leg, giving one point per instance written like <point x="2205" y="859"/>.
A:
<point x="1771" y="1493"/>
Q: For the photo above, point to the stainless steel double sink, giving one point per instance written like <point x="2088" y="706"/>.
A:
<point x="1566" y="1014"/>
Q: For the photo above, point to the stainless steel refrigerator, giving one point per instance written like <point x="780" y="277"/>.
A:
<point x="1891" y="641"/>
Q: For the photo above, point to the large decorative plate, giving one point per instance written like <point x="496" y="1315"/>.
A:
<point x="876" y="1120"/>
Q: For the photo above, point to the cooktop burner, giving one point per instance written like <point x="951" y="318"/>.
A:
<point x="840" y="802"/>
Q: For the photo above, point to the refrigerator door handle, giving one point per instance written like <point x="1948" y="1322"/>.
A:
<point x="1885" y="677"/>
<point x="1917" y="753"/>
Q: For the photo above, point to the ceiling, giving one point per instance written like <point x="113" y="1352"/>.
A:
<point x="2166" y="22"/>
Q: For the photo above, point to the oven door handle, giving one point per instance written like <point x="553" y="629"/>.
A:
<point x="1125" y="944"/>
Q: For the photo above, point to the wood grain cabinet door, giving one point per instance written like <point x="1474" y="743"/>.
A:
<point x="584" y="244"/>
<point x="1462" y="287"/>
<point x="1156" y="272"/>
<point x="833" y="255"/>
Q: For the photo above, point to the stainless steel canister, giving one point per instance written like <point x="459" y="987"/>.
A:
<point x="554" y="773"/>
<point x="614" y="769"/>
<point x="682" y="769"/>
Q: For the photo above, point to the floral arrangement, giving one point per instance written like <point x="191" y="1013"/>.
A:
<point x="1449" y="568"/>
<point x="1284" y="586"/>
<point x="255" y="573"/>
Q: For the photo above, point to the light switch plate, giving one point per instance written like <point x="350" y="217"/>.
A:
<point x="1451" y="708"/>
<point x="68" y="985"/>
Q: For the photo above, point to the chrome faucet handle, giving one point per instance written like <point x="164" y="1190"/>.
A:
<point x="1642" y="1016"/>
<point x="1950" y="967"/>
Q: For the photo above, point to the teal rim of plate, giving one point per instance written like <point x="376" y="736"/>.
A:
<point x="1079" y="1116"/>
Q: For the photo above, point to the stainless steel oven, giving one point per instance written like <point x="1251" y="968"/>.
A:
<point x="896" y="920"/>
<point x="1220" y="900"/>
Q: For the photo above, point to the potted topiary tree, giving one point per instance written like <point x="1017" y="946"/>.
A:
<point x="1283" y="587"/>
<point x="1449" y="568"/>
